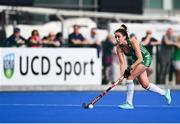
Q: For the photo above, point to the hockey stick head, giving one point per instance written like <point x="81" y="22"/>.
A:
<point x="85" y="106"/>
<point x="89" y="106"/>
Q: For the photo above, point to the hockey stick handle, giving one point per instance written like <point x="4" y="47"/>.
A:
<point x="106" y="91"/>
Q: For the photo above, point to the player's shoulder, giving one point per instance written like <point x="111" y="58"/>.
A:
<point x="134" y="41"/>
<point x="118" y="49"/>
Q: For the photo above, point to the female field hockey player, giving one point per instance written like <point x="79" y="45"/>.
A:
<point x="141" y="61"/>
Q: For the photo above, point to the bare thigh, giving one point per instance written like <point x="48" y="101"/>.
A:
<point x="137" y="71"/>
<point x="143" y="80"/>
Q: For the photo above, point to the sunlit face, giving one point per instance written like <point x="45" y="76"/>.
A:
<point x="120" y="39"/>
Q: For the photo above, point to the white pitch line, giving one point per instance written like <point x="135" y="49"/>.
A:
<point x="53" y="105"/>
<point x="145" y="106"/>
<point x="73" y="105"/>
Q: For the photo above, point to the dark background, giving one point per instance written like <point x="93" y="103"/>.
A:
<point x="122" y="6"/>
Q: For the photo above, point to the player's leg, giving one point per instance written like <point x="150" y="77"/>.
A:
<point x="129" y="97"/>
<point x="144" y="81"/>
<point x="130" y="86"/>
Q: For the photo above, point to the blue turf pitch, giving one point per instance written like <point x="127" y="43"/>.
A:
<point x="65" y="107"/>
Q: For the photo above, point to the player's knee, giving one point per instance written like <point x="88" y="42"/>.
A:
<point x="130" y="77"/>
<point x="145" y="86"/>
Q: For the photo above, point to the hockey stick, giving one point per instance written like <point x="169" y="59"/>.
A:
<point x="90" y="105"/>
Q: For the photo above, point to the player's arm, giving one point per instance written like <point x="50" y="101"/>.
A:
<point x="121" y="60"/>
<point x="136" y="47"/>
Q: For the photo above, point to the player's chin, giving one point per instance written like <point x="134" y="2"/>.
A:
<point x="117" y="43"/>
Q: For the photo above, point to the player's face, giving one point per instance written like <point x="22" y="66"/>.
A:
<point x="120" y="39"/>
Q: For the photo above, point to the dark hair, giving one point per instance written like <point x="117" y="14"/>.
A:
<point x="58" y="35"/>
<point x="132" y="35"/>
<point x="123" y="31"/>
<point x="35" y="32"/>
<point x="16" y="29"/>
<point x="75" y="25"/>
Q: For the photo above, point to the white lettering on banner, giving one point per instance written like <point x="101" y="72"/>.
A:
<point x="50" y="66"/>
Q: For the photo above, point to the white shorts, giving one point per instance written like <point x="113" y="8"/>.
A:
<point x="176" y="65"/>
